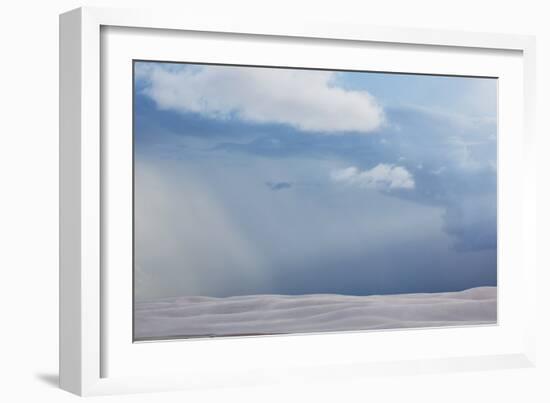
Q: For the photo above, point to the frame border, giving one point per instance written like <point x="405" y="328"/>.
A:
<point x="80" y="309"/>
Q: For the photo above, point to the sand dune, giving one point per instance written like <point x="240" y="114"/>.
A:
<point x="272" y="314"/>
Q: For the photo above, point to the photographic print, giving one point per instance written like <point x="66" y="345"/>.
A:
<point x="274" y="200"/>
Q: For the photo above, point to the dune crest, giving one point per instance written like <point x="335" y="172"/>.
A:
<point x="275" y="314"/>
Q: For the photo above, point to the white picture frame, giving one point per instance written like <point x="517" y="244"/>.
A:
<point x="96" y="354"/>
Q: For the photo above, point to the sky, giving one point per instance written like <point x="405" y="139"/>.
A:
<point x="254" y="180"/>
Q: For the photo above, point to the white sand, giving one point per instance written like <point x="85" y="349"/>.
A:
<point x="271" y="314"/>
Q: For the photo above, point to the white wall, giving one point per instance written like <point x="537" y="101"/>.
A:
<point x="28" y="202"/>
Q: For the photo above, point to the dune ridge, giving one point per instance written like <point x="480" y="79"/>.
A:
<point x="197" y="316"/>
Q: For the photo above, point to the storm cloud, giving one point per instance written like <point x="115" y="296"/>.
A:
<point x="230" y="201"/>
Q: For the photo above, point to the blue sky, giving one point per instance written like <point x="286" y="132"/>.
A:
<point x="256" y="180"/>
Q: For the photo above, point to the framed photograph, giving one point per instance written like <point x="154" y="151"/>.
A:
<point x="245" y="203"/>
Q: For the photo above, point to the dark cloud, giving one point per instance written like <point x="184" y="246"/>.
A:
<point x="472" y="228"/>
<point x="275" y="186"/>
<point x="452" y="158"/>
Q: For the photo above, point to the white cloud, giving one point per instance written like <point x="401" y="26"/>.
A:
<point x="385" y="176"/>
<point x="304" y="99"/>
